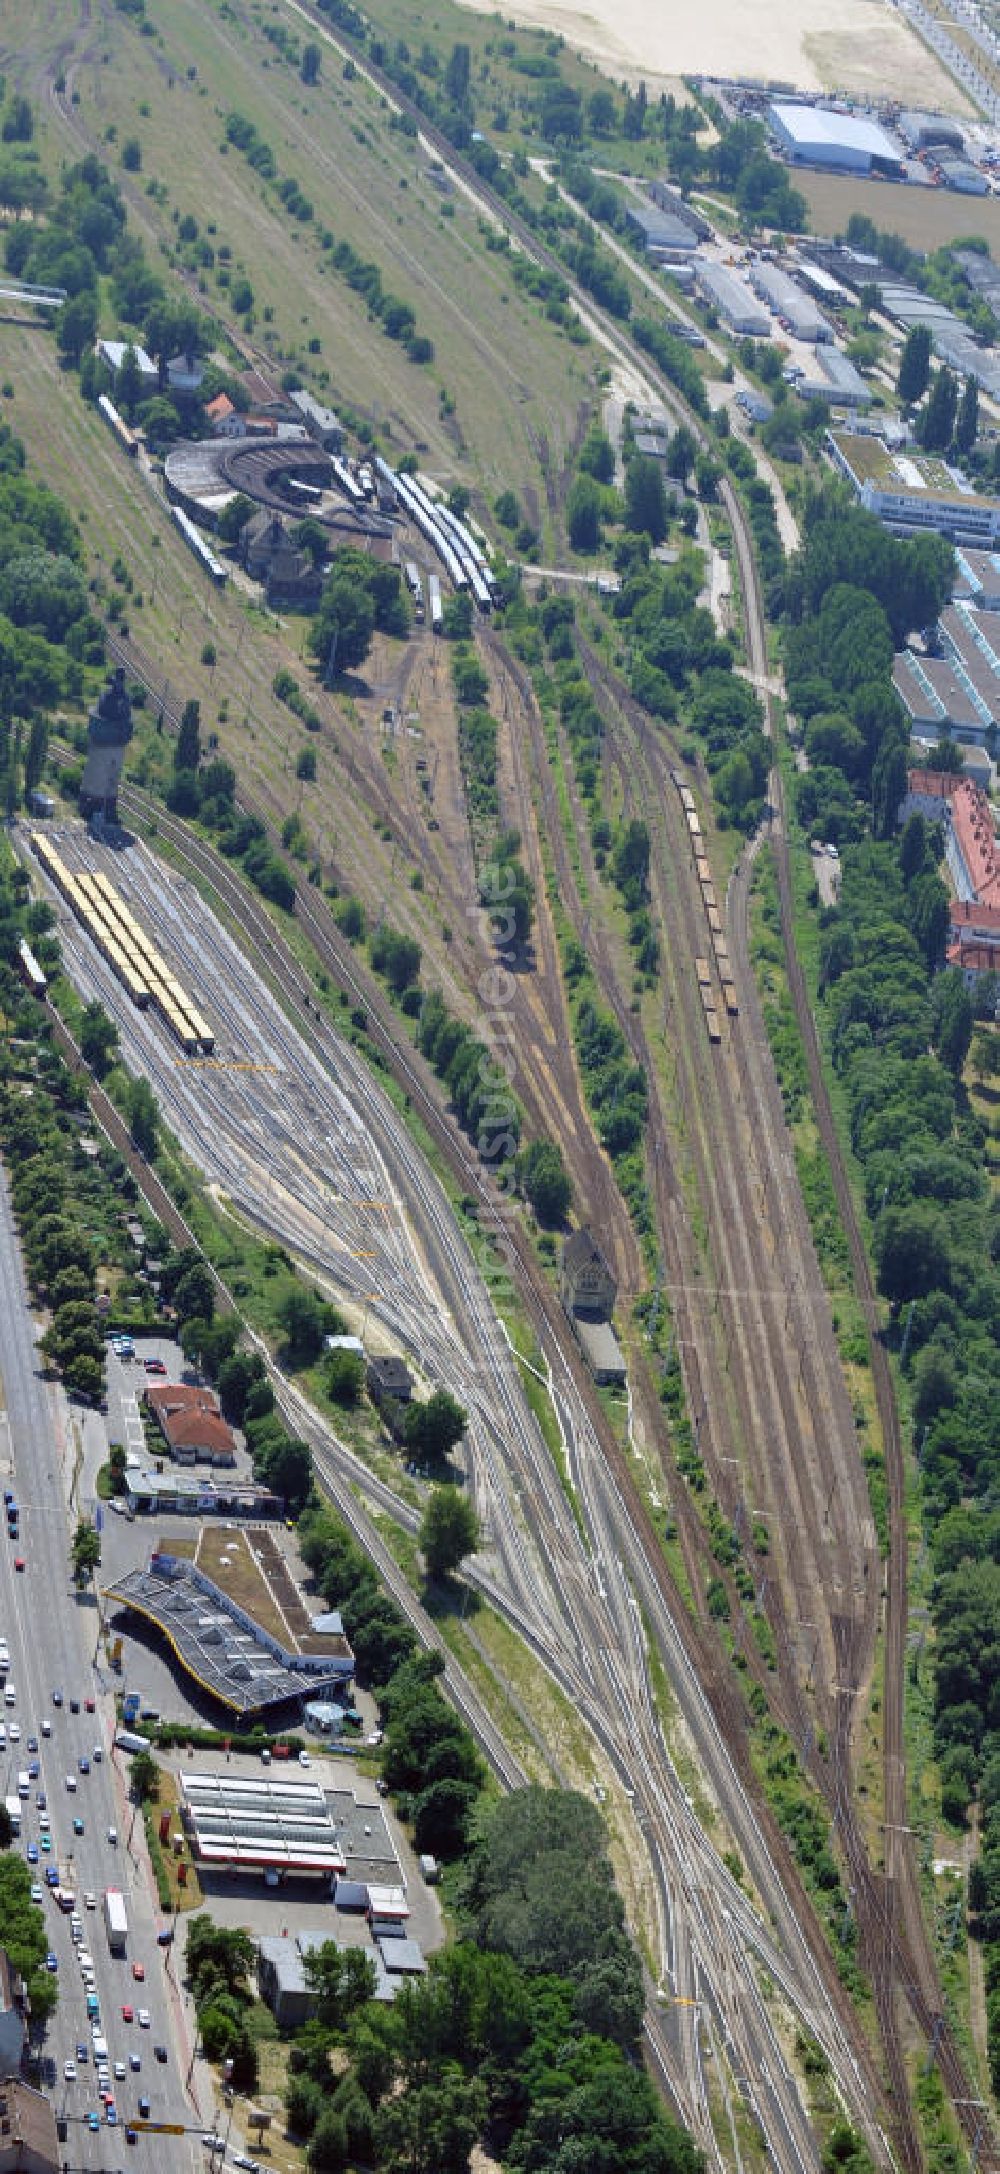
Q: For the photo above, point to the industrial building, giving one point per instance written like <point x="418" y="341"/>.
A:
<point x="841" y="383"/>
<point x="321" y="423"/>
<point x="667" y="198"/>
<point x="844" y="143"/>
<point x="733" y="302"/>
<point x="929" y="131"/>
<point x="796" y="312"/>
<point x="171" y="1493"/>
<point x="914" y="494"/>
<point x="954" y="343"/>
<point x="960" y="174"/>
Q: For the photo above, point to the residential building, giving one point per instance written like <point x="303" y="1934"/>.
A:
<point x="28" y="2137"/>
<point x="13" y="2023"/>
<point x="224" y="420"/>
<point x="191" y="1423"/>
<point x="976" y="963"/>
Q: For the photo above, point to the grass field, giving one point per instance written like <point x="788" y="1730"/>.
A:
<point x="924" y="217"/>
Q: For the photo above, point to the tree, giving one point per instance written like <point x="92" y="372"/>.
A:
<point x="951" y="1007"/>
<point x="341" y="1981"/>
<point x="187" y="749"/>
<point x="583" y="514"/>
<point x="85" y="1552"/>
<point x="303" y="1316"/>
<point x="309" y="70"/>
<point x="911" y="1251"/>
<point x="937" y="424"/>
<point x="967" y="419"/>
<point x="144" y="1775"/>
<point x="128" y="383"/>
<point x="98" y="1039"/>
<point x="602" y="113"/>
<point x="457" y="75"/>
<point x="681" y="454"/>
<point x="645" y="500"/>
<point x="449" y="1531"/>
<point x="132" y="155"/>
<point x="76" y="326"/>
<point x="544" y="1180"/>
<point x="597" y="455"/>
<point x="914" y="365"/>
<point x="141" y="1111"/>
<point x="345" y="1377"/>
<point x="432" y="1430"/>
<point x="344" y="623"/>
<point x="194" y="1293"/>
<point x="35" y="753"/>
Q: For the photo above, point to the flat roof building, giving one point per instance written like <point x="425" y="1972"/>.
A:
<point x="321" y="423"/>
<point x="846" y="143"/>
<point x="797" y="313"/>
<point x="922" y="131"/>
<point x="242" y="1663"/>
<point x="662" y="233"/>
<point x="733" y="302"/>
<point x="915" y="494"/>
<point x="264" y="1825"/>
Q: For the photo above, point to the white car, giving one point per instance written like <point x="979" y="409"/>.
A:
<point x="90" y="1902"/>
<point x="144" y="2019"/>
<point x="69" y="2071"/>
<point x="304" y="1759"/>
<point x="46" y="1728"/>
<point x="120" y="2071"/>
<point x="15" y="1732"/>
<point x="71" y="1784"/>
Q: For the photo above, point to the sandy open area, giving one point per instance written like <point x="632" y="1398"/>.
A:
<point x="857" y="45"/>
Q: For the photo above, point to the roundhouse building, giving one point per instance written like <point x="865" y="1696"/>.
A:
<point x="843" y="143"/>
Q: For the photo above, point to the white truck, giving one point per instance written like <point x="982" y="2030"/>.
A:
<point x="116" y="1920"/>
<point x="14" y="1813"/>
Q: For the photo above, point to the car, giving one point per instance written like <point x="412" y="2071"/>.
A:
<point x="111" y="2114"/>
<point x="51" y="1961"/>
<point x="135" y="2062"/>
<point x="84" y="1764"/>
<point x="304" y="1759"/>
<point x="97" y="1755"/>
<point x="71" y="1783"/>
<point x="52" y="1875"/>
<point x="249" y="2166"/>
<point x="131" y="2136"/>
<point x="89" y="1706"/>
<point x="19" y="1562"/>
<point x="93" y="2123"/>
<point x="15" y="1732"/>
<point x="69" y="2071"/>
<point x="74" y="1705"/>
<point x="78" y="1826"/>
<point x="57" y="1698"/>
<point x="36" y="1891"/>
<point x="32" y="1743"/>
<point x="34" y="1770"/>
<point x="144" y="2019"/>
<point x="42" y="1801"/>
<point x="83" y="2051"/>
<point x="90" y="1902"/>
<point x="139" y="1972"/>
<point x="128" y="2013"/>
<point x="120" y="2071"/>
<point x="213" y="2143"/>
<point x="46" y="1728"/>
<point x="144" y="2109"/>
<point x="154" y="1366"/>
<point x="47" y="1844"/>
<point x="32" y="1853"/>
<point x="160" y="2052"/>
<point x="165" y="1936"/>
<point x="113" y="1837"/>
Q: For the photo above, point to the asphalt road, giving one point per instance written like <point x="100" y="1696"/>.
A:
<point x="52" y="1636"/>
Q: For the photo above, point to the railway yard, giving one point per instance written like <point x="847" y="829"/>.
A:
<point x="226" y="1011"/>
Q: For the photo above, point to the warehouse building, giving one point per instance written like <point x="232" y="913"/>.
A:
<point x="795" y="311"/>
<point x="844" y="385"/>
<point x="321" y="423"/>
<point x="663" y="194"/>
<point x="733" y="302"/>
<point x="661" y="233"/>
<point x="929" y="131"/>
<point x="844" y="143"/>
<point x="961" y="175"/>
<point x="913" y="494"/>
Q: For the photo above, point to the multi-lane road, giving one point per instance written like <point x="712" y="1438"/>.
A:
<point x="52" y="1636"/>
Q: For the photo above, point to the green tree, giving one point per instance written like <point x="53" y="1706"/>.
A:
<point x="341" y="1980"/>
<point x="597" y="455"/>
<point x="76" y="326"/>
<point x="951" y="1011"/>
<point x="310" y="66"/>
<point x="431" y="2128"/>
<point x="602" y="113"/>
<point x="345" y="1376"/>
<point x="583" y="514"/>
<point x="914" y="365"/>
<point x="645" y="500"/>
<point x="194" y="1293"/>
<point x="85" y="1552"/>
<point x="937" y="424"/>
<point x="449" y="1531"/>
<point x="911" y="1251"/>
<point x="98" y="1038"/>
<point x="967" y="419"/>
<point x="344" y="624"/>
<point x="303" y="1316"/>
<point x="187" y="747"/>
<point x="681" y="454"/>
<point x="128" y="383"/>
<point x="458" y="73"/>
<point x="142" y="1113"/>
<point x="144" y="1775"/>
<point x="544" y="1180"/>
<point x="432" y="1430"/>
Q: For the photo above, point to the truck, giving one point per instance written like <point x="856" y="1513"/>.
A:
<point x="130" y="1740"/>
<point x="14" y="1813"/>
<point x="115" y="1920"/>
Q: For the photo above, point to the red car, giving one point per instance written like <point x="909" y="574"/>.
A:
<point x="154" y="1366"/>
<point x="89" y="1706"/>
<point x="139" y="1971"/>
<point x="19" y="1563"/>
<point x="128" y="2014"/>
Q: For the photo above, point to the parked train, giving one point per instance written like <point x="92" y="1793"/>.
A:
<point x="203" y="552"/>
<point x="132" y="957"/>
<point x="709" y="900"/>
<point x="31" y="973"/>
<point x="126" y="438"/>
<point x="452" y="541"/>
